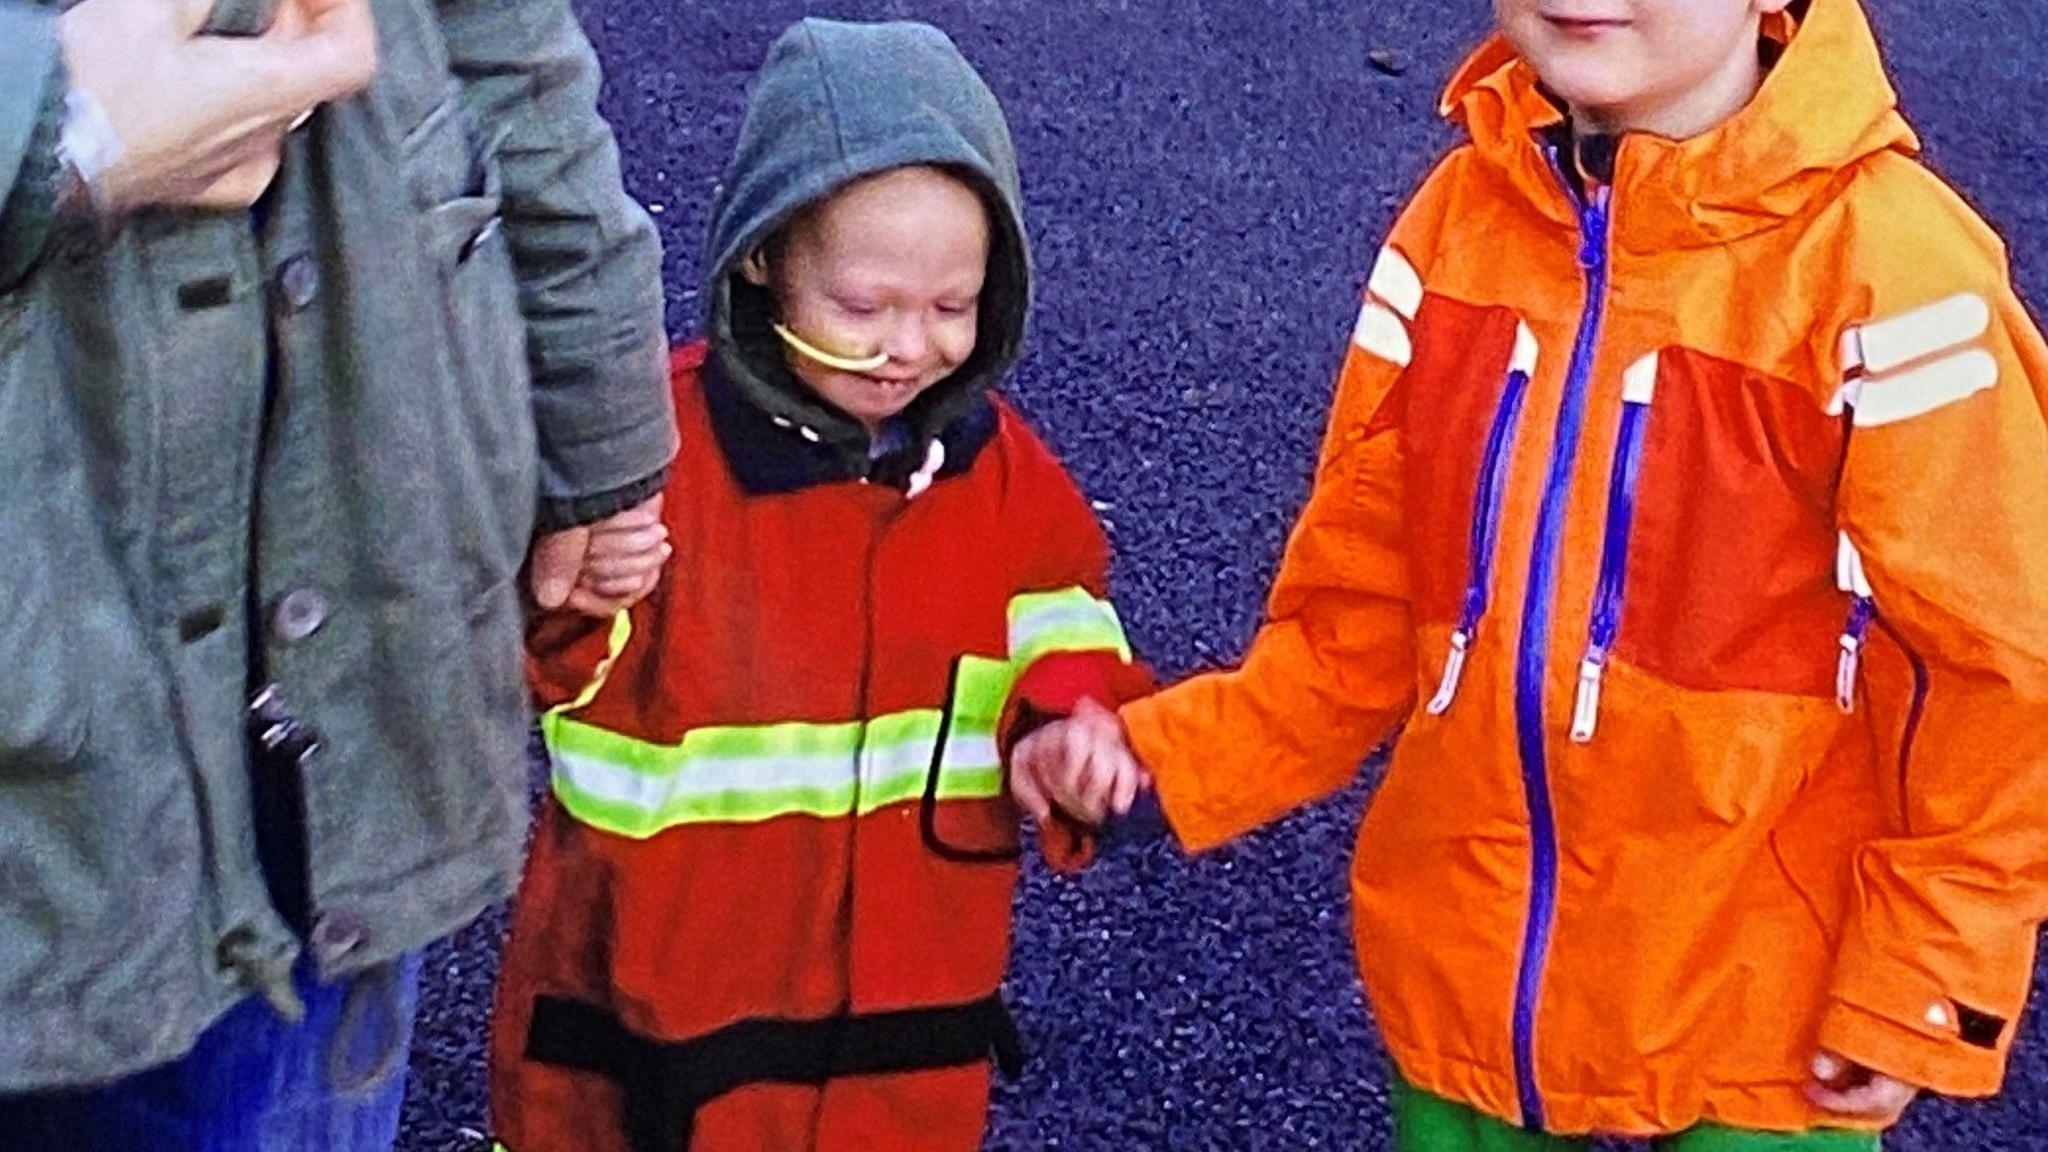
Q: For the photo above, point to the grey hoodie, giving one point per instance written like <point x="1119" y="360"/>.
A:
<point x="835" y="103"/>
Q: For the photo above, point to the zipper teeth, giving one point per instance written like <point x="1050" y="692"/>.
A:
<point x="1621" y="510"/>
<point x="1486" y="508"/>
<point x="1533" y="664"/>
<point x="1486" y="516"/>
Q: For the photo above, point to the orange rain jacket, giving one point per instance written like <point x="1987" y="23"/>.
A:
<point x="1704" y="514"/>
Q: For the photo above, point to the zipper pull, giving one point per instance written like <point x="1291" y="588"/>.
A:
<point x="1454" y="671"/>
<point x="1586" y="708"/>
<point x="1850" y="664"/>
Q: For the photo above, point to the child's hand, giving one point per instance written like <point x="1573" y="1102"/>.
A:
<point x="1083" y="764"/>
<point x="1849" y="1089"/>
<point x="599" y="569"/>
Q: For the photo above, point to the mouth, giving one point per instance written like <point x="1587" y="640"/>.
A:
<point x="1584" y="27"/>
<point x="890" y="384"/>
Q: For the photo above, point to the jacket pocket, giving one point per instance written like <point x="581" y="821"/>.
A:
<point x="482" y="355"/>
<point x="1487" y="503"/>
<point x="1719" y="551"/>
<point x="1639" y="390"/>
<point x="965" y="813"/>
<point x="45" y="699"/>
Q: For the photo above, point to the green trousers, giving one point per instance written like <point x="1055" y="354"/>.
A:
<point x="1426" y="1123"/>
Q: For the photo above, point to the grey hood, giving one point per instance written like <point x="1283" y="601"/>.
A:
<point x="833" y="104"/>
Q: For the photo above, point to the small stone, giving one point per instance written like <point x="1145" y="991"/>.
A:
<point x="1387" y="61"/>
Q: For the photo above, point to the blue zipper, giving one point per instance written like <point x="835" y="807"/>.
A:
<point x="1621" y="514"/>
<point x="1532" y="662"/>
<point x="1486" y="508"/>
<point x="1861" y="611"/>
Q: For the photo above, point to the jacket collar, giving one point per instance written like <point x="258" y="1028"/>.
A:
<point x="1825" y="107"/>
<point x="773" y="454"/>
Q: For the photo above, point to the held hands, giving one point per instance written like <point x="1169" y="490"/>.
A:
<point x="1083" y="765"/>
<point x="599" y="569"/>
<point x="189" y="120"/>
<point x="1849" y="1089"/>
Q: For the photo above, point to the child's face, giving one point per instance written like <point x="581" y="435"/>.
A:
<point x="890" y="266"/>
<point x="1675" y="67"/>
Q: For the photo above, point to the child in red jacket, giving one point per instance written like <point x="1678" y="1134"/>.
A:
<point x="769" y="904"/>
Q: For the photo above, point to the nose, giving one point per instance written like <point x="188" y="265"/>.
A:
<point x="909" y="340"/>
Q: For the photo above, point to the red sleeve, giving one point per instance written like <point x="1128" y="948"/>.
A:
<point x="1064" y="633"/>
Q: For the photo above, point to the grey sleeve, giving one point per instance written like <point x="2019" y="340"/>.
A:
<point x="31" y="118"/>
<point x="588" y="257"/>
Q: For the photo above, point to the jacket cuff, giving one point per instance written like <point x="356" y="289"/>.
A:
<point x="1191" y="812"/>
<point x="556" y="515"/>
<point x="1929" y="1050"/>
<point x="1053" y="686"/>
<point x="1049" y="690"/>
<point x="29" y="210"/>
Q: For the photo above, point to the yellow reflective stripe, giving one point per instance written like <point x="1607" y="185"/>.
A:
<point x="980" y="693"/>
<point x="622" y="631"/>
<point x="638" y="788"/>
<point x="1069" y="620"/>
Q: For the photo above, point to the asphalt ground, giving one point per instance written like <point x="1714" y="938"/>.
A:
<point x="1207" y="182"/>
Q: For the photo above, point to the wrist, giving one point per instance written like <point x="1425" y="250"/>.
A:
<point x="88" y="150"/>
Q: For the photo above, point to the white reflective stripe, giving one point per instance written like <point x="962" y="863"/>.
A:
<point x="1029" y="626"/>
<point x="1899" y="340"/>
<point x="1524" y="360"/>
<point x="971" y="751"/>
<point x="1381" y="333"/>
<point x="1917" y="391"/>
<point x="1847" y="396"/>
<point x="704" y="778"/>
<point x="1849" y="575"/>
<point x="888" y="774"/>
<point x="1395" y="281"/>
<point x="1065" y="621"/>
<point x="1639" y="383"/>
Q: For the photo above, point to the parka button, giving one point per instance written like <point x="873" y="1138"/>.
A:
<point x="337" y="935"/>
<point x="298" y="614"/>
<point x="298" y="280"/>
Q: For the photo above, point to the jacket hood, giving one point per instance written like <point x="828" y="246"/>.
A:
<point x="1825" y="106"/>
<point x="835" y="103"/>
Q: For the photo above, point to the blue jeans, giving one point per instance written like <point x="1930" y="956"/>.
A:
<point x="254" y="1083"/>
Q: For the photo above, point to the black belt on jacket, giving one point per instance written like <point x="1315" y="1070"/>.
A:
<point x="665" y="1082"/>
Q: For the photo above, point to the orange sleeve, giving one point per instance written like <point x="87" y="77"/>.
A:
<point x="1331" y="672"/>
<point x="1943" y="500"/>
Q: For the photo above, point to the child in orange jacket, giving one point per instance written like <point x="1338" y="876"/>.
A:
<point x="1683" y="496"/>
<point x="769" y="900"/>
